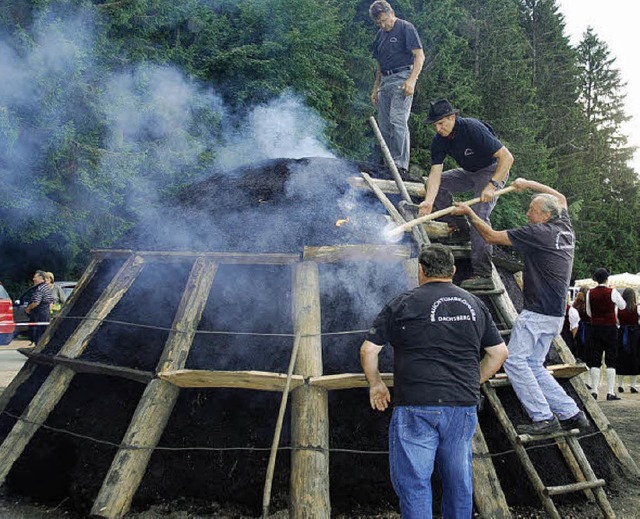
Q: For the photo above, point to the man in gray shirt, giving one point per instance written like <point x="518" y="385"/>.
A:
<point x="547" y="245"/>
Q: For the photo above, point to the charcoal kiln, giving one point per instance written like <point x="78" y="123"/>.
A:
<point x="163" y="377"/>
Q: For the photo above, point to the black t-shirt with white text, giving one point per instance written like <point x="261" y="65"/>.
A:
<point x="437" y="332"/>
<point x="548" y="259"/>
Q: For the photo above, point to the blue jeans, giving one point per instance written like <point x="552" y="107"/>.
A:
<point x="537" y="390"/>
<point x="420" y="436"/>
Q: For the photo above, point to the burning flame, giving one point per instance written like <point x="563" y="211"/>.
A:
<point x="340" y="223"/>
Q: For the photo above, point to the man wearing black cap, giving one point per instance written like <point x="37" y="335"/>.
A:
<point x="484" y="167"/>
<point x="400" y="57"/>
<point x="602" y="302"/>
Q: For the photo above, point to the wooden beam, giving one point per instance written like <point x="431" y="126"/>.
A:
<point x="309" y="483"/>
<point x="157" y="402"/>
<point x="85" y="366"/>
<point x="58" y="381"/>
<point x="487" y="491"/>
<point x="557" y="370"/>
<point x="388" y="186"/>
<point x="366" y="252"/>
<point x="236" y="258"/>
<point x="346" y="381"/>
<point x="261" y="380"/>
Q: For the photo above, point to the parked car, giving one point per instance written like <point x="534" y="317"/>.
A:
<point x="19" y="305"/>
<point x="7" y="324"/>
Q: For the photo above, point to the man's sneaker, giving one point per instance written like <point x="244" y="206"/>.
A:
<point x="578" y="421"/>
<point x="611" y="396"/>
<point x="478" y="283"/>
<point x="539" y="428"/>
<point x="633" y="390"/>
<point x="595" y="396"/>
<point x="620" y="389"/>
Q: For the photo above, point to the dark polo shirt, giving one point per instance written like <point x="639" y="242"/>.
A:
<point x="437" y="331"/>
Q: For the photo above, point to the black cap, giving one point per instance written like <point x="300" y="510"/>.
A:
<point x="440" y="109"/>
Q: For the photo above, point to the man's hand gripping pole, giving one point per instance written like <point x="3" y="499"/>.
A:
<point x="393" y="233"/>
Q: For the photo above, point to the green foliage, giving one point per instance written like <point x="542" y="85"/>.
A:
<point x="87" y="136"/>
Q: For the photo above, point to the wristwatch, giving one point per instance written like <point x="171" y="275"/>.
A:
<point x="495" y="183"/>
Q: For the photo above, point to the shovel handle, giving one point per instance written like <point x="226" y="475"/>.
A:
<point x="442" y="212"/>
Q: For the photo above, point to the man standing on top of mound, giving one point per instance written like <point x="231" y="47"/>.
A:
<point x="484" y="168"/>
<point x="400" y="57"/>
<point x="547" y="246"/>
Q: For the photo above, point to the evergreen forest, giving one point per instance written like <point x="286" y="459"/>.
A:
<point x="108" y="105"/>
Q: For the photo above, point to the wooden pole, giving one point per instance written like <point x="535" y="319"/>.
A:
<point x="157" y="402"/>
<point x="266" y="495"/>
<point x="309" y="485"/>
<point x="442" y="212"/>
<point x="487" y="491"/>
<point x="58" y="381"/>
<point x="389" y="160"/>
<point x="419" y="234"/>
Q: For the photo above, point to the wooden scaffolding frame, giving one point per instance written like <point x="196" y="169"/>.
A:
<point x="309" y="479"/>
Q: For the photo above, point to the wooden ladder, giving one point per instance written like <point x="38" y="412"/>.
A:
<point x="567" y="441"/>
<point x="484" y="472"/>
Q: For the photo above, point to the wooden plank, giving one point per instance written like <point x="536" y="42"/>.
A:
<point x="487" y="491"/>
<point x="260" y="380"/>
<point x="82" y="335"/>
<point x="309" y="483"/>
<point x="346" y="381"/>
<point x="237" y="258"/>
<point x="574" y="487"/>
<point x="388" y="159"/>
<point x="391" y="209"/>
<point x="557" y="370"/>
<point x="157" y="402"/>
<point x="388" y="186"/>
<point x="601" y="497"/>
<point x="85" y="366"/>
<point x="366" y="252"/>
<point x="29" y="367"/>
<point x="574" y="466"/>
<point x="56" y="384"/>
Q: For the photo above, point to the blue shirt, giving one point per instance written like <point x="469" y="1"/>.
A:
<point x="394" y="49"/>
<point x="472" y="144"/>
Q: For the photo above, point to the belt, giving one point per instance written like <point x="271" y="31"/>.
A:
<point x="396" y="70"/>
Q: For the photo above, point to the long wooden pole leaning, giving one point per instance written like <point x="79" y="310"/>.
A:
<point x="389" y="160"/>
<point x="442" y="212"/>
<point x="266" y="496"/>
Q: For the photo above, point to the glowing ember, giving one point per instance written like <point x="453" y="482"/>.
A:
<point x="340" y="223"/>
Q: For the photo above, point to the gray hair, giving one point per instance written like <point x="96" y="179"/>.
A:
<point x="437" y="261"/>
<point x="549" y="204"/>
<point x="378" y="8"/>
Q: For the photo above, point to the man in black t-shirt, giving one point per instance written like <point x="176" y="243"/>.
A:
<point x="438" y="332"/>
<point x="484" y="167"/>
<point x="547" y="246"/>
<point x="400" y="57"/>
